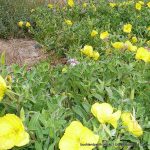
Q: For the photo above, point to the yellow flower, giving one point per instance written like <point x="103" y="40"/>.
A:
<point x="146" y="58"/>
<point x="94" y="33"/>
<point x="148" y="42"/>
<point x="3" y="87"/>
<point x="64" y="70"/>
<point x="96" y="55"/>
<point x="118" y="45"/>
<point x="134" y="39"/>
<point x="12" y="132"/>
<point x="68" y="22"/>
<point x="131" y="124"/>
<point x="76" y="137"/>
<point x="104" y="35"/>
<point x="112" y="5"/>
<point x="143" y="54"/>
<point x="132" y="48"/>
<point x="87" y="50"/>
<point x="148" y="28"/>
<point x="50" y="6"/>
<point x="138" y="6"/>
<point x="141" y="2"/>
<point x="127" y="28"/>
<point x="84" y="5"/>
<point x="32" y="10"/>
<point x="87" y="136"/>
<point x="140" y="53"/>
<point x="129" y="46"/>
<point x="28" y="24"/>
<point x="20" y="23"/>
<point x="71" y="3"/>
<point x="104" y="113"/>
<point x="148" y="4"/>
<point x="68" y="143"/>
<point x="70" y="130"/>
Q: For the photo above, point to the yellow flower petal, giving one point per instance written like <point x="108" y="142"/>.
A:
<point x="129" y="46"/>
<point x="94" y="33"/>
<point x="141" y="2"/>
<point x="67" y="143"/>
<point x="104" y="35"/>
<point x="126" y="117"/>
<point x="12" y="132"/>
<point x="112" y="5"/>
<point x="87" y="50"/>
<point x="84" y="5"/>
<point x="134" y="39"/>
<point x="76" y="135"/>
<point x="75" y="128"/>
<point x="102" y="112"/>
<point x="23" y="139"/>
<point x="71" y="3"/>
<point x="96" y="55"/>
<point x="20" y="23"/>
<point x="114" y="119"/>
<point x="28" y="24"/>
<point x="143" y="54"/>
<point x="3" y="87"/>
<point x="50" y="6"/>
<point x="138" y="6"/>
<point x="127" y="28"/>
<point x="6" y="136"/>
<point x="118" y="45"/>
<point x="68" y="22"/>
<point x="88" y="137"/>
<point x="135" y="128"/>
<point x="131" y="124"/>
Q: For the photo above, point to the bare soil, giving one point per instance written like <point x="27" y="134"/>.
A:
<point x="22" y="51"/>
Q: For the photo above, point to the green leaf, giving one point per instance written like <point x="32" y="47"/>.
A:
<point x="2" y="59"/>
<point x="33" y="122"/>
<point x="22" y="114"/>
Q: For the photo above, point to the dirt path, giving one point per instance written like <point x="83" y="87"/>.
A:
<point x="22" y="51"/>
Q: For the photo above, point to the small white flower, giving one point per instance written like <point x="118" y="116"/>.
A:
<point x="73" y="62"/>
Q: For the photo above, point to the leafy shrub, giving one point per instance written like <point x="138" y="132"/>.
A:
<point x="11" y="12"/>
<point x="51" y="30"/>
<point x="49" y="101"/>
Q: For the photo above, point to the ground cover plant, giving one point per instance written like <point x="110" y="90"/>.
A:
<point x="11" y="11"/>
<point x="99" y="98"/>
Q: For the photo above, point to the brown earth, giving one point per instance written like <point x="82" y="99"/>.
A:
<point x="27" y="51"/>
<point x="22" y="51"/>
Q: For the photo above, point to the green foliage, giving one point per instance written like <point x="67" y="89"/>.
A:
<point x="11" y="12"/>
<point x="51" y="30"/>
<point x="49" y="101"/>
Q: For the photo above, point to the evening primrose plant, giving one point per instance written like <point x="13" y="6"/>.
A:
<point x="62" y="98"/>
<point x="83" y="21"/>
